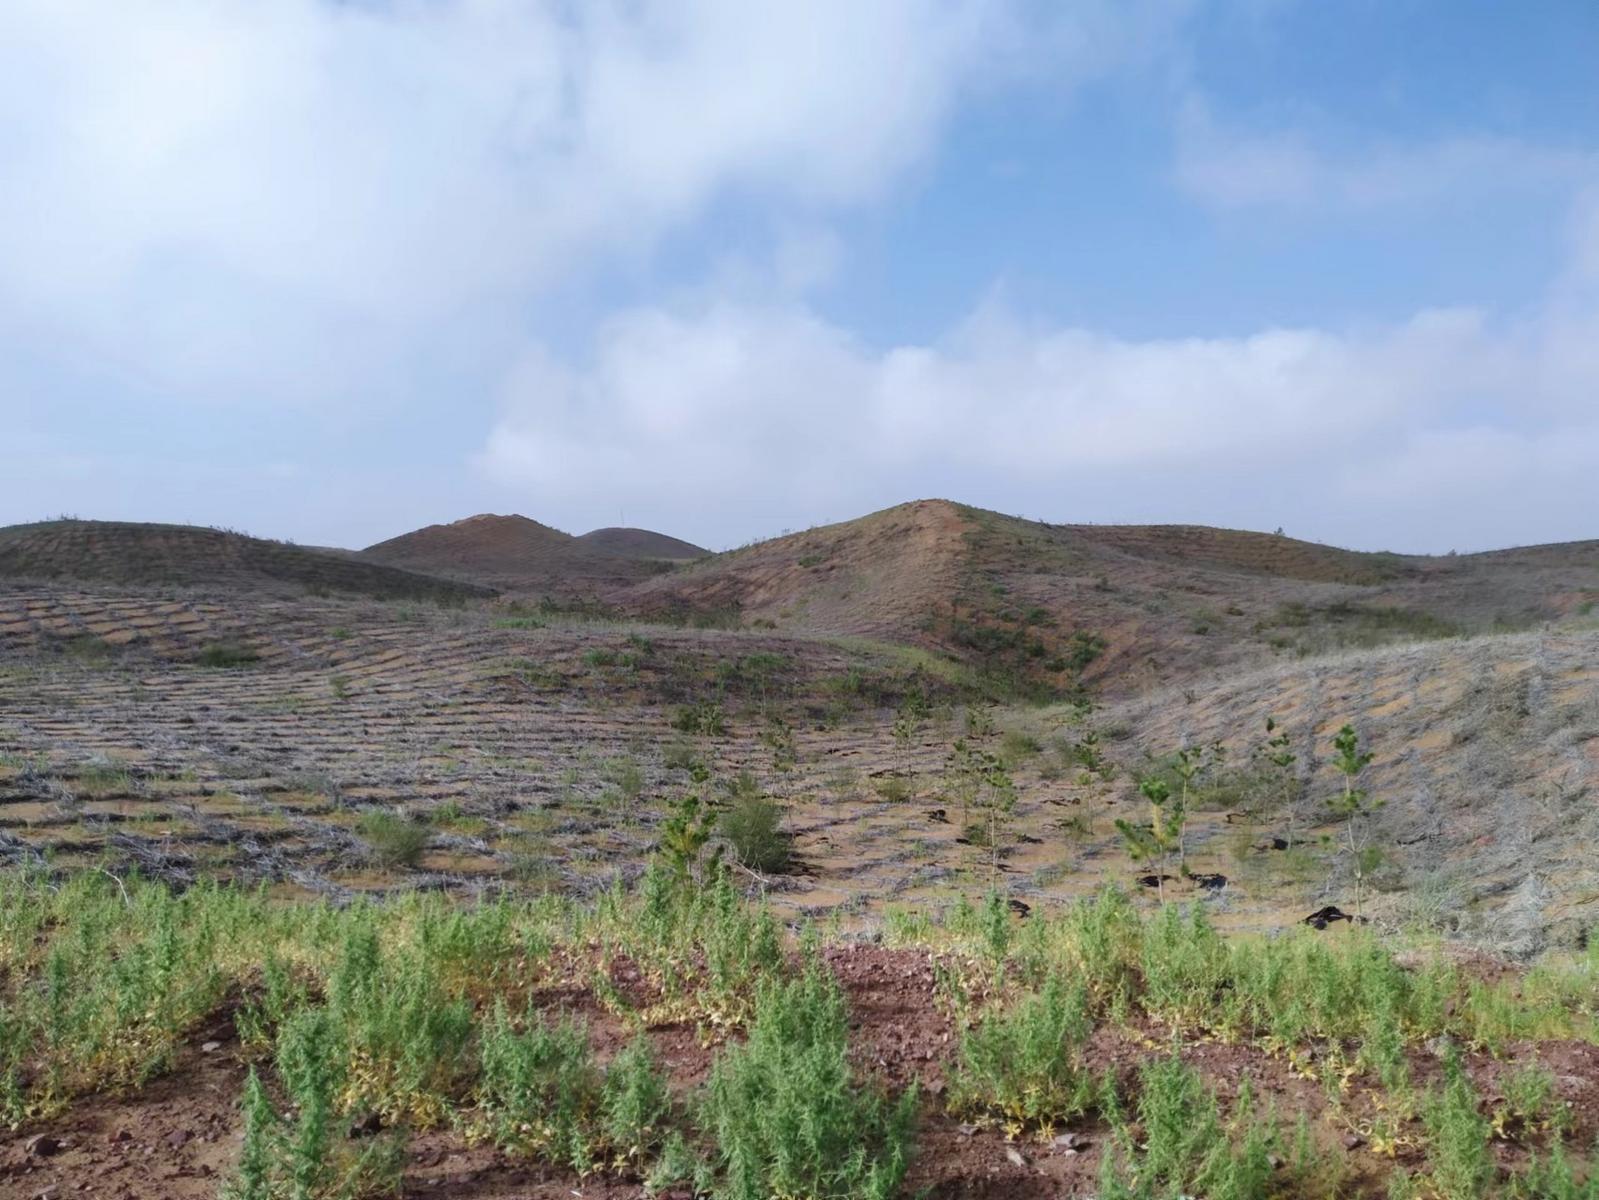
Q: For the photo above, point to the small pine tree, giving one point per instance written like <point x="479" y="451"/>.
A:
<point x="1278" y="753"/>
<point x="684" y="836"/>
<point x="1356" y="808"/>
<point x="1155" y="841"/>
<point x="984" y="782"/>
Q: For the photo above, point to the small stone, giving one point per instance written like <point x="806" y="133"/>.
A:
<point x="967" y="1130"/>
<point x="210" y="1047"/>
<point x="41" y="1145"/>
<point x="179" y="1139"/>
<point x="1353" y="1141"/>
<point x="1017" y="1158"/>
<point x="120" y="1137"/>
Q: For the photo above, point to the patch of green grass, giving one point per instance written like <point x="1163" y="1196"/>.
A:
<point x="394" y="840"/>
<point x="227" y="654"/>
<point x="753" y="826"/>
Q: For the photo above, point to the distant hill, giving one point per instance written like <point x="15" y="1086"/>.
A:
<point x="486" y="546"/>
<point x="521" y="554"/>
<point x="190" y="556"/>
<point x="1124" y="608"/>
<point x="641" y="543"/>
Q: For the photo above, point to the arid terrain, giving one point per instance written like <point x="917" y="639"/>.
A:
<point x="894" y="718"/>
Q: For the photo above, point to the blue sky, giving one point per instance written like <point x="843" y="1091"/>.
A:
<point x="330" y="271"/>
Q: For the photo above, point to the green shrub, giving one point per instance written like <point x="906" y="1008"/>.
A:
<point x="705" y="718"/>
<point x="540" y="1089"/>
<point x="542" y="1094"/>
<point x="1550" y="1177"/>
<point x="1025" y="1064"/>
<point x="634" y="1103"/>
<point x="403" y="1037"/>
<point x="786" y="1114"/>
<point x="227" y="654"/>
<point x="1188" y="1150"/>
<point x="395" y="841"/>
<point x="753" y="826"/>
<point x="1459" y="1160"/>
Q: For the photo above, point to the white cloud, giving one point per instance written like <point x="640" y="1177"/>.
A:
<point x="775" y="410"/>
<point x="1230" y="168"/>
<point x="276" y="200"/>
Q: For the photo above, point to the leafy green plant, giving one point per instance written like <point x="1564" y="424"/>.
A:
<point x="704" y="718"/>
<point x="786" y="1114"/>
<point x="982" y="782"/>
<point x="753" y="826"/>
<point x="540" y="1089"/>
<point x="1459" y="1161"/>
<point x="395" y="841"/>
<point x="1024" y="1064"/>
<point x="1187" y="1148"/>
<point x="227" y="654"/>
<point x="634" y="1104"/>
<point x="1276" y="753"/>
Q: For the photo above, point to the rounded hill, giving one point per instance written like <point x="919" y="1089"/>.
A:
<point x="641" y="543"/>
<point x="191" y="556"/>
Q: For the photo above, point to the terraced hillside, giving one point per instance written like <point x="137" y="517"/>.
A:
<point x="185" y="556"/>
<point x="516" y="749"/>
<point x="1119" y="609"/>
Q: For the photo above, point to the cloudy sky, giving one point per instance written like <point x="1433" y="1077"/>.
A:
<point x="331" y="269"/>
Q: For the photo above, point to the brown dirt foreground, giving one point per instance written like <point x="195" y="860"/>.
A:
<point x="177" y="1138"/>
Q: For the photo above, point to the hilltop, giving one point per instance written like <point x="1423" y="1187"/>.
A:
<point x="641" y="543"/>
<point x="193" y="557"/>
<point x="1121" y="608"/>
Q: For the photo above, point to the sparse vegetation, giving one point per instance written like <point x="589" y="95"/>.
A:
<point x="395" y="840"/>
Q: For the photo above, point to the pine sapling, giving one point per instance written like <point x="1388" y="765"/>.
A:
<point x="1278" y="752"/>
<point x="1155" y="842"/>
<point x="1356" y="808"/>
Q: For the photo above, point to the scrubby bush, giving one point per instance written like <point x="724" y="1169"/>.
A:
<point x="753" y="826"/>
<point x="394" y="841"/>
<point x="1024" y="1064"/>
<point x="786" y="1114"/>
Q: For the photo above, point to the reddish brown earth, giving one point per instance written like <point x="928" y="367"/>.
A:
<point x="177" y="1138"/>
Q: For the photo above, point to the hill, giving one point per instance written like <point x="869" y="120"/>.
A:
<point x="641" y="543"/>
<point x="520" y="554"/>
<point x="190" y="556"/>
<point x="485" y="546"/>
<point x="1045" y="608"/>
